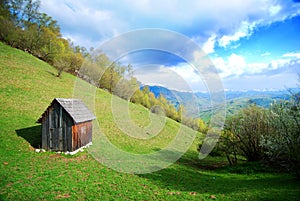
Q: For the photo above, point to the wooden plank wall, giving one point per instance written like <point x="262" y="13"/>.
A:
<point x="57" y="129"/>
<point x="81" y="134"/>
<point x="59" y="132"/>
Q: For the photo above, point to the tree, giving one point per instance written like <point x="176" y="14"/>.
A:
<point x="30" y="39"/>
<point x="110" y="77"/>
<point x="126" y="88"/>
<point x="51" y="46"/>
<point x="23" y="12"/>
<point x="31" y="11"/>
<point x="248" y="126"/>
<point x="8" y="32"/>
<point x="137" y="97"/>
<point x="152" y="99"/>
<point x="283" y="147"/>
<point x="202" y="127"/>
<point x="69" y="61"/>
<point x="4" y="9"/>
<point x="15" y="9"/>
<point x="24" y="27"/>
<point x="145" y="99"/>
<point x="90" y="72"/>
<point x="171" y="111"/>
<point x="226" y="146"/>
<point x="62" y="63"/>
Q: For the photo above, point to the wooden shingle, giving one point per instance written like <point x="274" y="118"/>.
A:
<point x="75" y="108"/>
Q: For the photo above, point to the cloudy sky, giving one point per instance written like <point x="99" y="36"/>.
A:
<point x="253" y="44"/>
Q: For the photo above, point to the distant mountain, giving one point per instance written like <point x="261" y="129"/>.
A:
<point x="199" y="104"/>
<point x="280" y="94"/>
<point x="188" y="99"/>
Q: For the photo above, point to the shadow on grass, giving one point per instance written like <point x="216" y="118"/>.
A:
<point x="190" y="159"/>
<point x="51" y="73"/>
<point x="33" y="135"/>
<point x="256" y="185"/>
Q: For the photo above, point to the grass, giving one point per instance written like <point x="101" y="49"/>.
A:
<point x="28" y="85"/>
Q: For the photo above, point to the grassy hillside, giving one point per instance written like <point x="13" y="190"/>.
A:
<point x="28" y="85"/>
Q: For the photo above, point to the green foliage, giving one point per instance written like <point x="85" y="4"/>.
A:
<point x="229" y="145"/>
<point x="24" y="27"/>
<point x="243" y="132"/>
<point x="271" y="135"/>
<point x="283" y="146"/>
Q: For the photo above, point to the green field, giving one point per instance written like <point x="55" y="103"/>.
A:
<point x="27" y="87"/>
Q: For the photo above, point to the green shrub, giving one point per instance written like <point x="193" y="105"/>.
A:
<point x="243" y="132"/>
<point x="282" y="148"/>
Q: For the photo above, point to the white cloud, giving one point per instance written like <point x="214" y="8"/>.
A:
<point x="236" y="61"/>
<point x="228" y="20"/>
<point x="187" y="72"/>
<point x="242" y="20"/>
<point x="233" y="70"/>
<point x="256" y="68"/>
<point x="85" y="24"/>
<point x="233" y="65"/>
<point x="262" y="81"/>
<point x="208" y="46"/>
<point x="276" y="64"/>
<point x="161" y="76"/>
<point x="211" y="23"/>
<point x="291" y="60"/>
<point x="292" y="54"/>
<point x="284" y="63"/>
<point x="274" y="10"/>
<point x="244" y="30"/>
<point x="265" y="54"/>
<point x="181" y="77"/>
<point x="236" y="65"/>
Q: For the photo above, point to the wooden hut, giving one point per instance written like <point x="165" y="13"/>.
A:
<point x="66" y="125"/>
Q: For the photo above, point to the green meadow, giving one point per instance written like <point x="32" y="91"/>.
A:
<point x="27" y="87"/>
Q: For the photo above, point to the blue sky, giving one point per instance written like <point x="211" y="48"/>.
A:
<point x="254" y="44"/>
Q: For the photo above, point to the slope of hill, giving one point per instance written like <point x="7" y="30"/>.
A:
<point x="28" y="85"/>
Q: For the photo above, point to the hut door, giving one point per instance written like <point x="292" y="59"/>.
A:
<point x="55" y="139"/>
<point x="51" y="133"/>
<point x="55" y="134"/>
<point x="60" y="139"/>
<point x="60" y="135"/>
<point x="51" y="130"/>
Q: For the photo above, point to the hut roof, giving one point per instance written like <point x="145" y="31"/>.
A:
<point x="77" y="110"/>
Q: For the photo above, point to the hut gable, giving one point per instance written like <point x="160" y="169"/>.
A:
<point x="74" y="107"/>
<point x="66" y="125"/>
